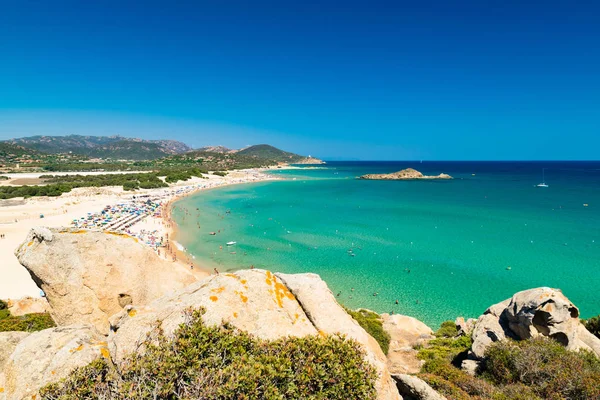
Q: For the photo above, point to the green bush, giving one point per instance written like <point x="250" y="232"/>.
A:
<point x="211" y="362"/>
<point x="547" y="367"/>
<point x="3" y="305"/>
<point x="220" y="173"/>
<point x="593" y="325"/>
<point x="442" y="351"/>
<point x="28" y="322"/>
<point x="372" y="323"/>
<point x="447" y="329"/>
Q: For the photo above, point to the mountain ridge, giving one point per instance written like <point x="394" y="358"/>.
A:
<point x="116" y="147"/>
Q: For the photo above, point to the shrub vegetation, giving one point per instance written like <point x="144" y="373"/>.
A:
<point x="28" y="323"/>
<point x="372" y="323"/>
<point x="547" y="367"/>
<point x="525" y="370"/>
<point x="210" y="362"/>
<point x="593" y="325"/>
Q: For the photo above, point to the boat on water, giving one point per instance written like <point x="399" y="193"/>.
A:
<point x="230" y="243"/>
<point x="543" y="184"/>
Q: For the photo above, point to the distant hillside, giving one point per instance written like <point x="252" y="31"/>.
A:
<point x="216" y="149"/>
<point x="12" y="153"/>
<point x="218" y="158"/>
<point x="114" y="147"/>
<point x="267" y="152"/>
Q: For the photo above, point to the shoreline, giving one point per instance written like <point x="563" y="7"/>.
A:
<point x="172" y="230"/>
<point x="19" y="216"/>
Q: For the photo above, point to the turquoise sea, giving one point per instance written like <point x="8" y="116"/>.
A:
<point x="441" y="248"/>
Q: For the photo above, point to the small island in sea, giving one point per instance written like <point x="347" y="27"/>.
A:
<point x="407" y="174"/>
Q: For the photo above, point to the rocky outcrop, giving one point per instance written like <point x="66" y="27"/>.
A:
<point x="465" y="327"/>
<point x="407" y="174"/>
<point x="532" y="313"/>
<point x="405" y="333"/>
<point x="252" y="300"/>
<point x="88" y="276"/>
<point x="413" y="388"/>
<point x="8" y="343"/>
<point x="47" y="356"/>
<point x="328" y="317"/>
<point x="27" y="305"/>
<point x="256" y="301"/>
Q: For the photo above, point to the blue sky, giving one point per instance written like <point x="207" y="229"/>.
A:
<point x="370" y="80"/>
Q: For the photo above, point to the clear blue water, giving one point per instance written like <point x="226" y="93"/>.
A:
<point x="441" y="248"/>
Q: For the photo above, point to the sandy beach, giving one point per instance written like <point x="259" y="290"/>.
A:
<point x="18" y="216"/>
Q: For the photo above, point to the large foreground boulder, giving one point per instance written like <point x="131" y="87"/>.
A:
<point x="532" y="313"/>
<point x="47" y="356"/>
<point x="267" y="305"/>
<point x="405" y="333"/>
<point x="88" y="276"/>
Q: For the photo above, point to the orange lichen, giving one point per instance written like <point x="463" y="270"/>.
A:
<point x="235" y="315"/>
<point x="78" y="348"/>
<point x="218" y="290"/>
<point x="214" y="298"/>
<point x="232" y="276"/>
<point x="132" y="312"/>
<point x="53" y="372"/>
<point x="79" y="232"/>
<point x="242" y="297"/>
<point x="321" y="333"/>
<point x="269" y="276"/>
<point x="105" y="353"/>
<point x="30" y="244"/>
<point x="243" y="281"/>
<point x="1" y="390"/>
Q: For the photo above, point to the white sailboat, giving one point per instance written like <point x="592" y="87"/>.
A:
<point x="543" y="184"/>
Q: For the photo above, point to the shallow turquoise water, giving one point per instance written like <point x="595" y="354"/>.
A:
<point x="441" y="248"/>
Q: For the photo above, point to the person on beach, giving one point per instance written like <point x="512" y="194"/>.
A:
<point x="216" y="272"/>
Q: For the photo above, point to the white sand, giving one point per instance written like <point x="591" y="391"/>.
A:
<point x="18" y="216"/>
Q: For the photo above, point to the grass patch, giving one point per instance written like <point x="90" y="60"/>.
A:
<point x="373" y="324"/>
<point x="211" y="362"/>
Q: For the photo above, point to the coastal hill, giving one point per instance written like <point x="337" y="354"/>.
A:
<point x="404" y="175"/>
<point x="271" y="334"/>
<point x="220" y="158"/>
<point x="114" y="147"/>
<point x="267" y="152"/>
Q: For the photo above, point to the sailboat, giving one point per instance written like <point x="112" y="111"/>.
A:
<point x="543" y="184"/>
